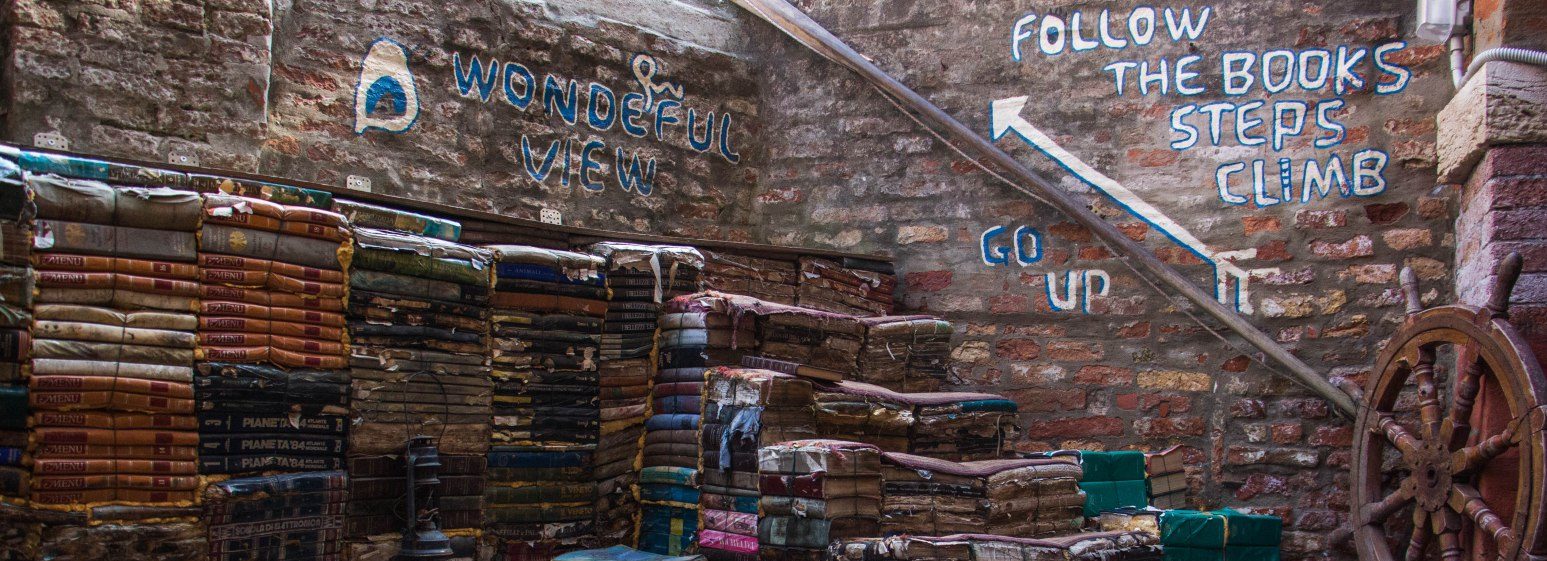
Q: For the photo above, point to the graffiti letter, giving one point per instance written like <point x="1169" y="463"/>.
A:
<point x="1183" y="76"/>
<point x="1020" y="34"/>
<point x="1078" y="43"/>
<point x="1186" y="27"/>
<point x="630" y="179"/>
<point x="1091" y="278"/>
<point x="587" y="163"/>
<point x="1346" y="78"/>
<point x="474" y="74"/>
<point x="1399" y="74"/>
<point x="1295" y="110"/>
<point x="997" y="255"/>
<point x="523" y="99"/>
<point x="1260" y="187"/>
<point x="1145" y="15"/>
<point x="1119" y="72"/>
<point x="1319" y="181"/>
<point x="539" y="173"/>
<point x="693" y="141"/>
<point x="1159" y="77"/>
<point x="1238" y="79"/>
<point x="1215" y="111"/>
<point x="555" y="99"/>
<point x="662" y="118"/>
<point x="1267" y="70"/>
<point x="594" y="117"/>
<point x="1022" y="234"/>
<point x="1222" y="181"/>
<point x="1104" y="30"/>
<point x="1245" y="122"/>
<point x="1323" y="69"/>
<point x="1051" y="35"/>
<point x="1071" y="292"/>
<point x="1327" y="122"/>
<point x="726" y="152"/>
<point x="629" y="116"/>
<point x="1374" y="173"/>
<point x="1189" y="133"/>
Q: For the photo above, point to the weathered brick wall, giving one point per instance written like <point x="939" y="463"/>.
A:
<point x="1132" y="369"/>
<point x="821" y="159"/>
<point x="288" y="92"/>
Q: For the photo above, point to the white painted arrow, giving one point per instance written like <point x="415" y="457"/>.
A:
<point x="1005" y="117"/>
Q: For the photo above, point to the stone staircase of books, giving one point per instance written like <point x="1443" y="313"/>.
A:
<point x="200" y="367"/>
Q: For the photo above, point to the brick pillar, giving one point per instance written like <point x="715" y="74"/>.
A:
<point x="1492" y="140"/>
<point x="1503" y="210"/>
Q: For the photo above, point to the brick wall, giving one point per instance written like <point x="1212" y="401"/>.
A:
<point x="232" y="85"/>
<point x="846" y="170"/>
<point x="825" y="161"/>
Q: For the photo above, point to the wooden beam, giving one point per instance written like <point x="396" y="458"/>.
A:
<point x="811" y="34"/>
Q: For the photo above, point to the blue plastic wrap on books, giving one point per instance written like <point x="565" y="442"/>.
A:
<point x="676" y="421"/>
<point x="674" y="521"/>
<point x="667" y="544"/>
<point x="987" y="405"/>
<point x="10" y="456"/>
<point x="620" y="553"/>
<point x="668" y="493"/>
<point x="529" y="271"/>
<point x="518" y="458"/>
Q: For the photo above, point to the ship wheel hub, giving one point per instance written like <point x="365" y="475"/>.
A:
<point x="1432" y="477"/>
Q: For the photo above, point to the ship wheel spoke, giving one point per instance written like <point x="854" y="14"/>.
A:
<point x="1378" y="511"/>
<point x="1458" y="425"/>
<point x="1448" y="524"/>
<point x="1418" y="541"/>
<point x="1474" y="457"/>
<point x="1399" y="437"/>
<point x="1465" y="499"/>
<point x="1429" y="406"/>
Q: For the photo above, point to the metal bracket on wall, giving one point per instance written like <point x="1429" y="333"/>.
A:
<point x="51" y="141"/>
<point x="358" y="183"/>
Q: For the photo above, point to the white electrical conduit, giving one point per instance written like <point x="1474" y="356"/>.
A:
<point x="1508" y="54"/>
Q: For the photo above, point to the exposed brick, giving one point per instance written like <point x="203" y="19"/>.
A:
<point x="1258" y="484"/>
<point x="1287" y="433"/>
<point x="1430" y="208"/>
<point x="1079" y="427"/>
<point x="928" y="281"/>
<point x="1379" y="273"/>
<point x="1168" y="427"/>
<point x="1255" y="224"/>
<point x="971" y="352"/>
<point x="1320" y="219"/>
<point x="1175" y="380"/>
<point x="1070" y="231"/>
<point x="1247" y="409"/>
<point x="1074" y="351"/>
<point x="1135" y="330"/>
<point x="922" y="234"/>
<point x="1165" y="405"/>
<point x="1357" y="246"/>
<point x="1340" y="436"/>
<point x="1236" y="364"/>
<point x="1017" y="349"/>
<point x="1009" y="304"/>
<point x="1100" y="375"/>
<point x="1387" y="213"/>
<point x="1048" y="400"/>
<point x="1407" y="238"/>
<point x="1276" y="250"/>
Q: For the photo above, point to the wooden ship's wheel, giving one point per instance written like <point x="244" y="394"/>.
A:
<point x="1449" y="443"/>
